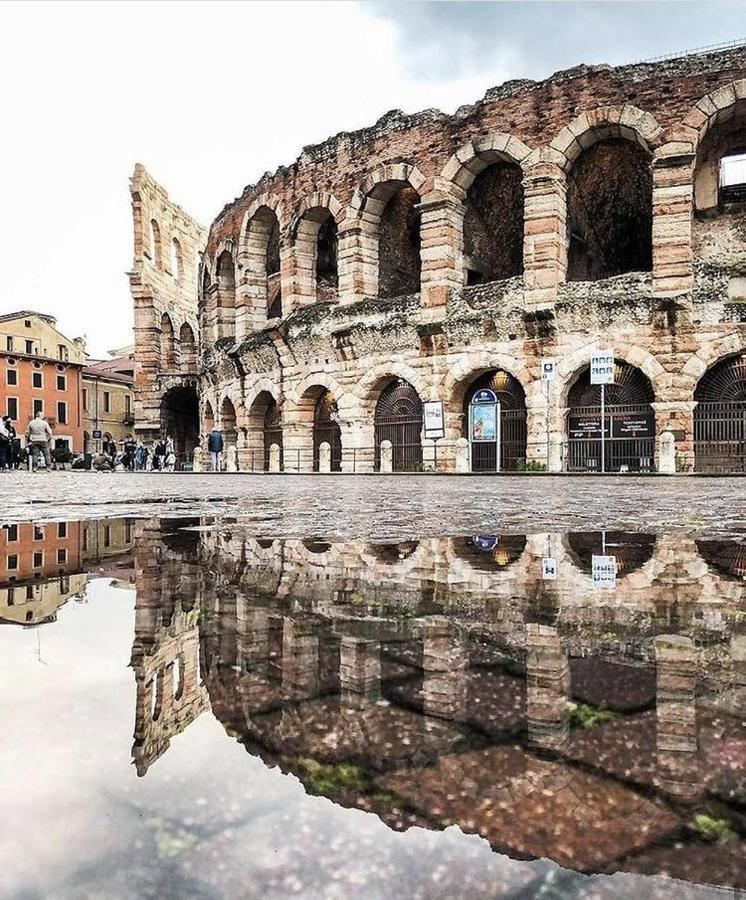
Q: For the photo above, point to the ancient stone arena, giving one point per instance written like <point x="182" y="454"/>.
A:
<point x="432" y="257"/>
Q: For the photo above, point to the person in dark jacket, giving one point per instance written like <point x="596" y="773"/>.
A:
<point x="215" y="448"/>
<point x="129" y="453"/>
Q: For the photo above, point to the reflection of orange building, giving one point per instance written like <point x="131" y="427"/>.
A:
<point x="40" y="568"/>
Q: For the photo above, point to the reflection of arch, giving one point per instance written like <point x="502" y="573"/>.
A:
<point x="180" y="419"/>
<point x="726" y="557"/>
<point x="512" y="399"/>
<point x="398" y="419"/>
<point x="394" y="552"/>
<point x="720" y="417"/>
<point x="630" y="549"/>
<point x="316" y="545"/>
<point x="491" y="552"/>
<point x="629" y="422"/>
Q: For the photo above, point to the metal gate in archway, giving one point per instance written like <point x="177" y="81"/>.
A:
<point x="513" y="430"/>
<point x="326" y="430"/>
<point x="272" y="432"/>
<point x="720" y="418"/>
<point x="629" y="423"/>
<point x="398" y="419"/>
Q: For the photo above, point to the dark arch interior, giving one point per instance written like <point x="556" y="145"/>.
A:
<point x="399" y="245"/>
<point x="610" y="211"/>
<point x="490" y="552"/>
<point x="493" y="224"/>
<point x="326" y="259"/>
<point x="272" y="429"/>
<point x="326" y="430"/>
<point x="726" y="557"/>
<point x="513" y="428"/>
<point x="631" y="549"/>
<point x="274" y="288"/>
<point x="398" y="419"/>
<point x="391" y="553"/>
<point x="180" y="420"/>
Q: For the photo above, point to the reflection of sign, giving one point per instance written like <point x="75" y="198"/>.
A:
<point x="603" y="569"/>
<point x="548" y="369"/>
<point x="484" y="422"/>
<point x="96" y="434"/>
<point x="585" y="428"/>
<point x="549" y="568"/>
<point x="433" y="416"/>
<point x="602" y="367"/>
<point x="485" y="543"/>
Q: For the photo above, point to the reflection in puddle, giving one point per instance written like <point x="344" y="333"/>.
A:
<point x="438" y="682"/>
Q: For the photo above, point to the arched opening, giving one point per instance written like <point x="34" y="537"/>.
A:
<point x="327" y="275"/>
<point x="493" y="224"/>
<point x="209" y="417"/>
<point x="399" y="263"/>
<point x="169" y="355"/>
<point x="391" y="553"/>
<point x="228" y="422"/>
<point x="177" y="265"/>
<point x="726" y="556"/>
<point x="491" y="552"/>
<point x="180" y="420"/>
<point x="316" y="256"/>
<point x="225" y="274"/>
<point x="326" y="430"/>
<point x="272" y="433"/>
<point x="398" y="419"/>
<point x="205" y="314"/>
<point x="513" y="430"/>
<point x="631" y="550"/>
<point x="155" y="244"/>
<point x="629" y="422"/>
<point x="187" y="347"/>
<point x="610" y="211"/>
<point x="720" y="417"/>
<point x="262" y="244"/>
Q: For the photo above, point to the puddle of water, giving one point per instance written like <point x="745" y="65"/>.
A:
<point x="191" y="709"/>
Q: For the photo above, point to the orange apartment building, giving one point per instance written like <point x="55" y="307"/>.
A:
<point x="41" y="369"/>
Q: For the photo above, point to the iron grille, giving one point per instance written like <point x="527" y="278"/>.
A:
<point x="399" y="419"/>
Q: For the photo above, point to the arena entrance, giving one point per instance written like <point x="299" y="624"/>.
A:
<point x="720" y="418"/>
<point x="512" y="431"/>
<point x="326" y="430"/>
<point x="180" y="420"/>
<point x="629" y="423"/>
<point x="398" y="419"/>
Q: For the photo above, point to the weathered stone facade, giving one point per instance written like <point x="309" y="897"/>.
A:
<point x="394" y="253"/>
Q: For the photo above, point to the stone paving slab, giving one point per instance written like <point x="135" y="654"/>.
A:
<point x="387" y="507"/>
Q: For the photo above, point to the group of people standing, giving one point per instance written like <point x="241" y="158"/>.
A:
<point x="38" y="439"/>
<point x="138" y="457"/>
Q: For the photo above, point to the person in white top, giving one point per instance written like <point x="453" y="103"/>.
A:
<point x="38" y="437"/>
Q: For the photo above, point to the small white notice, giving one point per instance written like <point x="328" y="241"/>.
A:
<point x="602" y="367"/>
<point x="433" y="416"/>
<point x="549" y="568"/>
<point x="548" y="369"/>
<point x="603" y="569"/>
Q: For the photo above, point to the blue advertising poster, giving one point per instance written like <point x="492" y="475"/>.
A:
<point x="484" y="422"/>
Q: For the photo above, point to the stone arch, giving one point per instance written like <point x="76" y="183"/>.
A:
<point x="187" y="347"/>
<point x="466" y="164"/>
<point x="225" y="277"/>
<point x="571" y="365"/>
<point x="712" y="109"/>
<point x="368" y="388"/>
<point x="177" y="261"/>
<point x="315" y="249"/>
<point x="719" y="416"/>
<point x="385" y="209"/>
<point x="179" y="415"/>
<point x="513" y="446"/>
<point x="398" y="419"/>
<point x="229" y="422"/>
<point x="263" y="410"/>
<point x="208" y="417"/>
<point x="261" y="255"/>
<point x="169" y="356"/>
<point x="607" y="157"/>
<point x="156" y="255"/>
<point x="316" y="416"/>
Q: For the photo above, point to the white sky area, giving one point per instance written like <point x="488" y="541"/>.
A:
<point x="208" y="96"/>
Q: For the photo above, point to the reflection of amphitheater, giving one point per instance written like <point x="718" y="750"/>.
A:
<point x="446" y="681"/>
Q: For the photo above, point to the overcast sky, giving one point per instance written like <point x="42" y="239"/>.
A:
<point x="210" y="95"/>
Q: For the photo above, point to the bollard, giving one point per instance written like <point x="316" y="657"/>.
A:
<point x="387" y="457"/>
<point x="667" y="453"/>
<point x="274" y="458"/>
<point x="463" y="463"/>
<point x="325" y="457"/>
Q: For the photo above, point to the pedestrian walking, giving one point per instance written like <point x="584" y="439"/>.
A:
<point x="38" y="438"/>
<point x="5" y="447"/>
<point x="129" y="453"/>
<point x="14" y="452"/>
<point x="215" y="448"/>
<point x="159" y="455"/>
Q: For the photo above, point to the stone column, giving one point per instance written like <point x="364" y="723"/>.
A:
<point x="463" y="462"/>
<point x="357" y="261"/>
<point x="676" y="715"/>
<point x="300" y="660"/>
<point x="673" y="193"/>
<point x="441" y="253"/>
<point x="547" y="688"/>
<point x="667" y="453"/>
<point x="444" y="663"/>
<point x="360" y="667"/>
<point x="544" y="234"/>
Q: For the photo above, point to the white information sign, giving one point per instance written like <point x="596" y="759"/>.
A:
<point x="548" y="369"/>
<point x="603" y="569"/>
<point x="602" y="367"/>
<point x="433" y="415"/>
<point x="549" y="568"/>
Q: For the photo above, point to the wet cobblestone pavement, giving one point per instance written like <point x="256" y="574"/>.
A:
<point x="393" y="507"/>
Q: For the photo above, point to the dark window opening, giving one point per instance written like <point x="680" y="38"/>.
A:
<point x="399" y="245"/>
<point x="493" y="225"/>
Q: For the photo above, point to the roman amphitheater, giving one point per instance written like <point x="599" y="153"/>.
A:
<point x="436" y="257"/>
